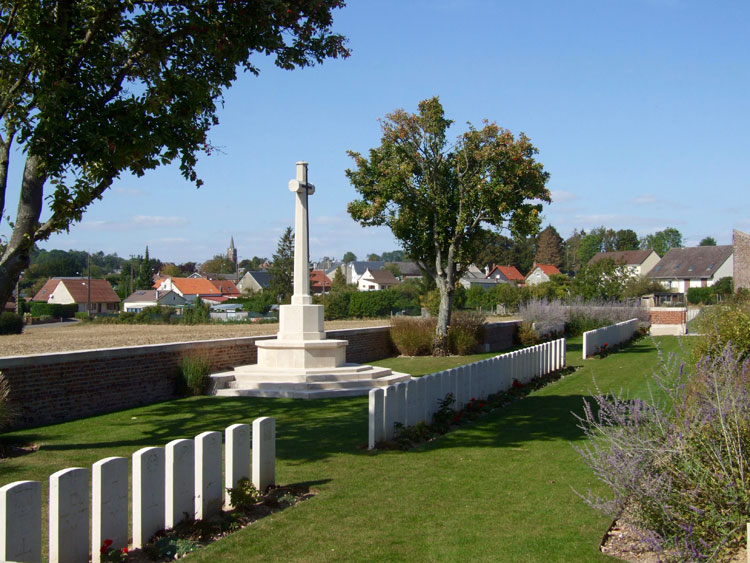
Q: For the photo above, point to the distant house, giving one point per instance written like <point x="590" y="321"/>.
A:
<point x="234" y="277"/>
<point x="406" y="270"/>
<point x="541" y="273"/>
<point x="226" y="288"/>
<point x="741" y="243"/>
<point x="191" y="288"/>
<point x="473" y="277"/>
<point x="375" y="280"/>
<point x="319" y="282"/>
<point x="253" y="281"/>
<point x="699" y="266"/>
<point x="638" y="262"/>
<point x="100" y="295"/>
<point x="139" y="300"/>
<point x="506" y="274"/>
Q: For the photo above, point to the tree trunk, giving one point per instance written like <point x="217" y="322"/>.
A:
<point x="16" y="257"/>
<point x="440" y="342"/>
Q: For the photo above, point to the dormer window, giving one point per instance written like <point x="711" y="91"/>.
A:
<point x="711" y="267"/>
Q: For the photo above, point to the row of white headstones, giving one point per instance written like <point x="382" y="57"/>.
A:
<point x="407" y="403"/>
<point x="612" y="335"/>
<point x="182" y="480"/>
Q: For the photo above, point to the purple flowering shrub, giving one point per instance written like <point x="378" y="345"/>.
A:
<point x="579" y="315"/>
<point x="678" y="468"/>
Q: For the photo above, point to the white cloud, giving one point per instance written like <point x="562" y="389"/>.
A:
<point x="562" y="196"/>
<point x="133" y="192"/>
<point x="174" y="240"/>
<point x="645" y="199"/>
<point x="159" y="221"/>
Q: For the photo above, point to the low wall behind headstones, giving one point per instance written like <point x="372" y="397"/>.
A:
<point x="52" y="388"/>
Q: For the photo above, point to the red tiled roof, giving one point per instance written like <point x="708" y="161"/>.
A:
<point x="548" y="269"/>
<point x="101" y="291"/>
<point x="318" y="278"/>
<point x="226" y="287"/>
<point x="510" y="272"/>
<point x="195" y="286"/>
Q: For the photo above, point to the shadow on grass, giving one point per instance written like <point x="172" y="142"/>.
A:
<point x="306" y="430"/>
<point x="533" y="419"/>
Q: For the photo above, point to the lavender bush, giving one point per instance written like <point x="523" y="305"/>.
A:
<point x="579" y="315"/>
<point x="678" y="470"/>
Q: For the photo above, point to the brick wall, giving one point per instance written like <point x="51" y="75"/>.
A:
<point x="52" y="388"/>
<point x="741" y="242"/>
<point x="667" y="315"/>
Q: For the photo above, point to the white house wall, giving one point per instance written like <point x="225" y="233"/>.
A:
<point x="61" y="295"/>
<point x="726" y="270"/>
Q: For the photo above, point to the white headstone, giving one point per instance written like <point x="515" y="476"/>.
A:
<point x="109" y="504"/>
<point x="375" y="417"/>
<point x="421" y="386"/>
<point x="412" y="414"/>
<point x="390" y="411"/>
<point x="401" y="403"/>
<point x="264" y="452"/>
<point x="148" y="494"/>
<point x="21" y="521"/>
<point x="236" y="456"/>
<point x="179" y="491"/>
<point x="208" y="483"/>
<point x="69" y="515"/>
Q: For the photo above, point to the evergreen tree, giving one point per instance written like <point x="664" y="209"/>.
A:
<point x="627" y="239"/>
<point x="707" y="241"/>
<point x="349" y="257"/>
<point x="339" y="280"/>
<point x="571" y="248"/>
<point x="145" y="278"/>
<point x="282" y="269"/>
<point x="549" y="247"/>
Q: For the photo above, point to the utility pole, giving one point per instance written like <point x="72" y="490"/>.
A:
<point x="88" y="288"/>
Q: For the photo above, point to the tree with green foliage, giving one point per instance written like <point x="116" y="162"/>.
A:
<point x="604" y="279"/>
<point x="339" y="280"/>
<point x="549" y="247"/>
<point x="627" y="239"/>
<point x="572" y="248"/>
<point x="439" y="199"/>
<point x="145" y="277"/>
<point x="662" y="241"/>
<point x="707" y="241"/>
<point x="282" y="268"/>
<point x="393" y="256"/>
<point x="373" y="257"/>
<point x="349" y="257"/>
<point x="252" y="264"/>
<point x="497" y="249"/>
<point x="598" y="240"/>
<point x="219" y="264"/>
<point x="89" y="90"/>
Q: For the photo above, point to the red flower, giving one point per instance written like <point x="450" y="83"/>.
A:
<point x="124" y="549"/>
<point x="105" y="546"/>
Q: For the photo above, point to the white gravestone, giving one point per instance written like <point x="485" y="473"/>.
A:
<point x="237" y="456"/>
<point x="264" y="452"/>
<point x="148" y="494"/>
<point x="109" y="504"/>
<point x="69" y="515"/>
<point x="390" y="408"/>
<point x="21" y="520"/>
<point x="179" y="494"/>
<point x="421" y="386"/>
<point x="208" y="484"/>
<point x="401" y="403"/>
<point x="412" y="402"/>
<point x="375" y="417"/>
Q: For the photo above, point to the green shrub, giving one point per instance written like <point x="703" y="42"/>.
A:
<point x="81" y="315"/>
<point x="527" y="336"/>
<point x="413" y="336"/>
<point x="244" y="495"/>
<point x="466" y="332"/>
<point x="370" y="304"/>
<point x="56" y="310"/>
<point x="696" y="295"/>
<point x="578" y="324"/>
<point x="195" y="375"/>
<point x="721" y="325"/>
<point x="10" y="323"/>
<point x="336" y="303"/>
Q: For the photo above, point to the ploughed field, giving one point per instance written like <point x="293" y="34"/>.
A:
<point x="62" y="337"/>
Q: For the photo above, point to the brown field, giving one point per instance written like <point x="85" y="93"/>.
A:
<point x="62" y="337"/>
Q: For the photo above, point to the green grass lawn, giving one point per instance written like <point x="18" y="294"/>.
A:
<point x="500" y="489"/>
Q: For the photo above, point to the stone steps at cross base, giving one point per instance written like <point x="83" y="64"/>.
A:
<point x="320" y="386"/>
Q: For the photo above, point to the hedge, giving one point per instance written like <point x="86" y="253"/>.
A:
<point x="10" y="323"/>
<point x="41" y="309"/>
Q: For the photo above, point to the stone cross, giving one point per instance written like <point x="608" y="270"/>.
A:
<point x="301" y="243"/>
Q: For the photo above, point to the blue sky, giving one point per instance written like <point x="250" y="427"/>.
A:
<point x="639" y="109"/>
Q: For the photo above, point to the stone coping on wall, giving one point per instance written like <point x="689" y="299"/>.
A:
<point x="148" y="349"/>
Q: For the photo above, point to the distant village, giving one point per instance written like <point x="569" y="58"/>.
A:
<point x="123" y="289"/>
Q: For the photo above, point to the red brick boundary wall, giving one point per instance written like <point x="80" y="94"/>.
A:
<point x="52" y="388"/>
<point x="668" y="320"/>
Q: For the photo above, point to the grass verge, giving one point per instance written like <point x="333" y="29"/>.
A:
<point x="499" y="489"/>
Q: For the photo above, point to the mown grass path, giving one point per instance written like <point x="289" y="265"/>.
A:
<point x="500" y="489"/>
